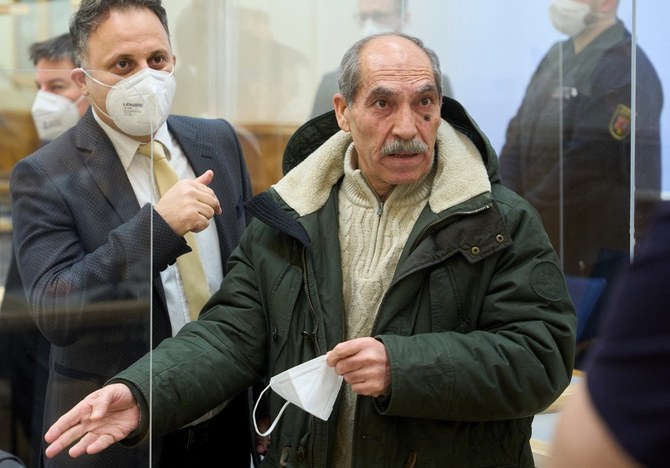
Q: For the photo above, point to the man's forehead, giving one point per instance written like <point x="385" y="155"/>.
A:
<point x="390" y="55"/>
<point x="47" y="64"/>
<point x="119" y="22"/>
<point x="393" y="44"/>
<point x="421" y="75"/>
<point x="128" y="40"/>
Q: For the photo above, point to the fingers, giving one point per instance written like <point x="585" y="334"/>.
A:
<point x="92" y="443"/>
<point x="66" y="422"/>
<point x="188" y="206"/>
<point x="101" y="419"/>
<point x="206" y="178"/>
<point x="73" y="424"/>
<point x="61" y="441"/>
<point x="364" y="364"/>
<point x="344" y="350"/>
<point x="262" y="444"/>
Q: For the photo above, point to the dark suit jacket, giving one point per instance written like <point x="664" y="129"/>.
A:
<point x="89" y="262"/>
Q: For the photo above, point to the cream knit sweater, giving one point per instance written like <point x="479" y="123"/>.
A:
<point x="372" y="235"/>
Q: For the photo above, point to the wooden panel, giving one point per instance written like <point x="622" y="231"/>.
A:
<point x="18" y="138"/>
<point x="263" y="146"/>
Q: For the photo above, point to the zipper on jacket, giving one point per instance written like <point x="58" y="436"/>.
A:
<point x="380" y="208"/>
<point x="310" y="304"/>
<point x="430" y="226"/>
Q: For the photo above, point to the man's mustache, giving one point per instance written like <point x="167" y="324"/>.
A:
<point x="404" y="146"/>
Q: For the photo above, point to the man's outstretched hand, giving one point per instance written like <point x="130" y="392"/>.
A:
<point x="103" y="418"/>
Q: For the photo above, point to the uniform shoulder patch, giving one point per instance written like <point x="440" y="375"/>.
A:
<point x="620" y="122"/>
<point x="546" y="280"/>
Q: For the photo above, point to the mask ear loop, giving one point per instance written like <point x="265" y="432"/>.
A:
<point x="272" y="426"/>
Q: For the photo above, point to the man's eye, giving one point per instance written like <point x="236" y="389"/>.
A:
<point x="380" y="104"/>
<point x="426" y="101"/>
<point x="122" y="64"/>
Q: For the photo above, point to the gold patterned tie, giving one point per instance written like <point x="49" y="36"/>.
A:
<point x="190" y="267"/>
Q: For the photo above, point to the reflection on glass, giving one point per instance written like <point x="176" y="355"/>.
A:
<point x="374" y="16"/>
<point x="258" y="64"/>
<point x="57" y="106"/>
<point x="568" y="149"/>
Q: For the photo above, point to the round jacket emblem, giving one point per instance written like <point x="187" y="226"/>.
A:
<point x="546" y="280"/>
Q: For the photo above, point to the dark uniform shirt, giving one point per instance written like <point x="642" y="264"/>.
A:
<point x="568" y="149"/>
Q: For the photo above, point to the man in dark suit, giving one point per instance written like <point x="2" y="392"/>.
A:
<point x="99" y="248"/>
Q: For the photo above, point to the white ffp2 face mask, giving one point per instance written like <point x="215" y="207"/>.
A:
<point x="569" y="16"/>
<point x="141" y="103"/>
<point x="53" y="114"/>
<point x="312" y="386"/>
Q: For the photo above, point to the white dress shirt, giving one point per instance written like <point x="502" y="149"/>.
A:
<point x="138" y="169"/>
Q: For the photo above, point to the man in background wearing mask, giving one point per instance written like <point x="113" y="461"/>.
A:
<point x="107" y="256"/>
<point x="58" y="106"/>
<point x="59" y="103"/>
<point x="374" y="16"/>
<point x="568" y="148"/>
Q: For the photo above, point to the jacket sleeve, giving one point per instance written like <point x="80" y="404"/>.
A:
<point x="74" y="251"/>
<point x="515" y="358"/>
<point x="224" y="351"/>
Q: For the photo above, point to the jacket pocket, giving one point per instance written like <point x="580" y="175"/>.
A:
<point x="446" y="305"/>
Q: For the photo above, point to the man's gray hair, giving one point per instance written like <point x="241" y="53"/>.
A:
<point x="56" y="48"/>
<point x="92" y="12"/>
<point x="349" y="75"/>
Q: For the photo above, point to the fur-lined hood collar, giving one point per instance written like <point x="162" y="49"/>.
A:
<point x="460" y="173"/>
<point x="314" y="161"/>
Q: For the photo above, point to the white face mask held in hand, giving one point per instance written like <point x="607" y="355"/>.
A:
<point x="312" y="386"/>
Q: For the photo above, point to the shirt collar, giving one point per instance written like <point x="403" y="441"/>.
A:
<point x="126" y="147"/>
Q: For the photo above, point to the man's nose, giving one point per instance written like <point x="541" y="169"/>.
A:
<point x="404" y="127"/>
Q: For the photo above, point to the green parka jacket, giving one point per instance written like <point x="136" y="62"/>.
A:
<point x="478" y="324"/>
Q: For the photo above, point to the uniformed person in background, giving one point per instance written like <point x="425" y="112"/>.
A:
<point x="568" y="148"/>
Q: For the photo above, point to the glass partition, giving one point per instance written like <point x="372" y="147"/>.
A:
<point x="578" y="135"/>
<point x="77" y="280"/>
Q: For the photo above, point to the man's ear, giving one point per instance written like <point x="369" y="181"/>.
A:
<point x="79" y="77"/>
<point x="341" y="111"/>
